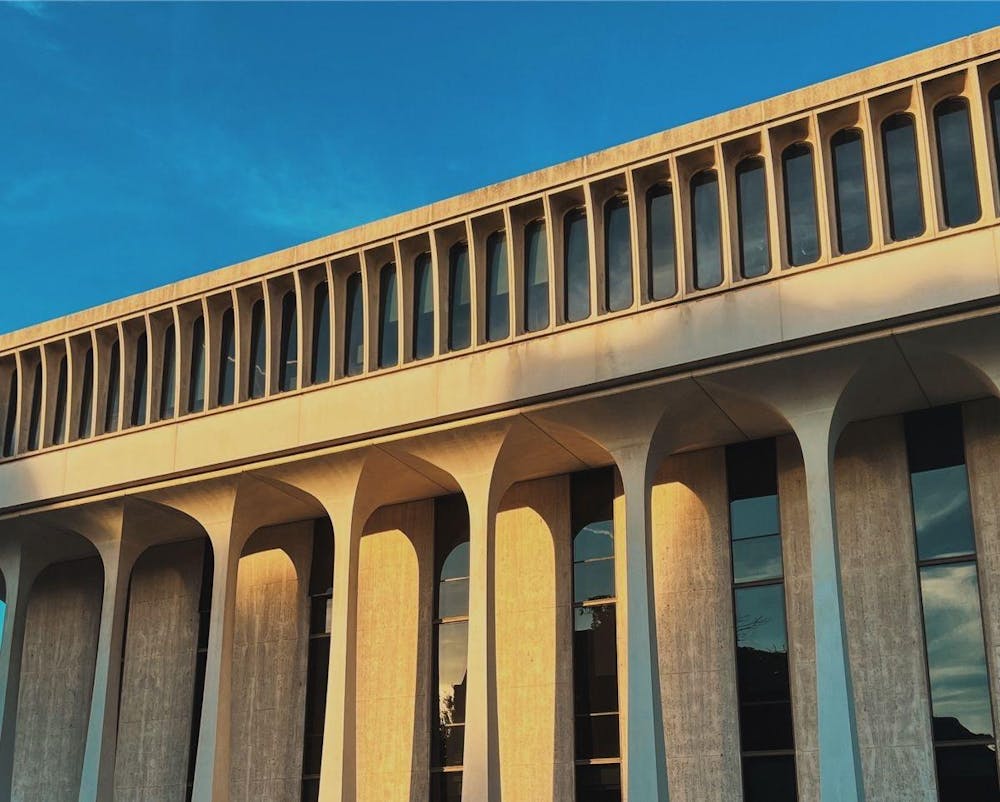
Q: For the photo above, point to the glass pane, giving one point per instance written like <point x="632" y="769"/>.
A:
<point x="453" y="598"/>
<point x="577" y="266"/>
<point x="617" y="255"/>
<point x="459" y="299"/>
<point x="594" y="540"/>
<point x="321" y="334"/>
<point x="906" y="214"/>
<point x="850" y="192"/>
<point x="705" y="230"/>
<point x="257" y="381"/>
<point x="757" y="558"/>
<point x="86" y="398"/>
<point x="354" y="350"/>
<point x="423" y="307"/>
<point x="196" y="378"/>
<point x="140" y="382"/>
<point x="959" y="193"/>
<point x="595" y="663"/>
<point x="449" y="746"/>
<point x="661" y="254"/>
<point x="452" y="653"/>
<point x="310" y="790"/>
<point x="994" y="103"/>
<point x="967" y="773"/>
<point x="114" y="388"/>
<point x="497" y="287"/>
<point x="942" y="513"/>
<point x="751" y="517"/>
<point x="59" y="420"/>
<point x="600" y="783"/>
<point x="766" y="726"/>
<point x="536" y="277"/>
<point x="456" y="564"/>
<point x="321" y="608"/>
<point x="288" y="354"/>
<point x="168" y="378"/>
<point x="227" y="360"/>
<point x="956" y="657"/>
<point x="751" y="205"/>
<point x="446" y="786"/>
<point x="593" y="580"/>
<point x="769" y="778"/>
<point x="35" y="419"/>
<point x="316" y="683"/>
<point x="388" y="339"/>
<point x="761" y="644"/>
<point x="800" y="204"/>
<point x="596" y="737"/>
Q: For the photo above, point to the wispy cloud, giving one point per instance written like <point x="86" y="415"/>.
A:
<point x="33" y="8"/>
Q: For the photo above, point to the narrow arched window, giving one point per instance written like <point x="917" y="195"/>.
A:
<point x="59" y="413"/>
<point x="321" y="333"/>
<point x="168" y="376"/>
<point x="354" y="340"/>
<point x="257" y="380"/>
<point x="288" y="347"/>
<point x="994" y="104"/>
<point x="140" y="382"/>
<point x="902" y="178"/>
<point x="617" y="254"/>
<point x="388" y="317"/>
<point x="11" y="417"/>
<point x="850" y="192"/>
<point x="956" y="162"/>
<point x="196" y="375"/>
<point x="35" y="417"/>
<point x="114" y="388"/>
<point x="227" y="360"/>
<point x="497" y="287"/>
<point x="661" y="249"/>
<point x="459" y="298"/>
<point x="576" y="265"/>
<point x="802" y="234"/>
<point x="536" y="277"/>
<point x="751" y="213"/>
<point x="706" y="231"/>
<point x="423" y="307"/>
<point x="85" y="425"/>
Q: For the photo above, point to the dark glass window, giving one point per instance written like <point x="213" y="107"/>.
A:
<point x="994" y="104"/>
<point x="600" y="782"/>
<point x="114" y="388"/>
<point x="140" y="381"/>
<point x="84" y="427"/>
<point x="318" y="670"/>
<point x="168" y="375"/>
<point x="59" y="417"/>
<point x="388" y="317"/>
<point x="800" y="204"/>
<point x="446" y="786"/>
<point x="321" y="334"/>
<point x="423" y="307"/>
<point x="354" y="345"/>
<point x="902" y="177"/>
<point x="751" y="210"/>
<point x="576" y="265"/>
<point x="257" y="380"/>
<point x="196" y="376"/>
<point x="459" y="298"/>
<point x="35" y="416"/>
<point x="850" y="192"/>
<point x="497" y="287"/>
<point x="956" y="162"/>
<point x="536" y="277"/>
<point x="617" y="255"/>
<point x="201" y="659"/>
<point x="706" y="236"/>
<point x="288" y="345"/>
<point x="10" y="418"/>
<point x="661" y="251"/>
<point x="227" y="360"/>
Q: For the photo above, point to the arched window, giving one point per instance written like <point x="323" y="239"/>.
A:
<point x="576" y="266"/>
<point x="354" y="339"/>
<point x="902" y="178"/>
<point x="850" y="192"/>
<point x="321" y="334"/>
<point x="114" y="375"/>
<point x="706" y="231"/>
<point x="751" y="213"/>
<point x="11" y="417"/>
<point x="168" y="376"/>
<point x="35" y="418"/>
<point x="617" y="254"/>
<point x="459" y="298"/>
<point x="59" y="413"/>
<point x="140" y="382"/>
<point x="956" y="162"/>
<point x="85" y="425"/>
<point x="227" y="360"/>
<point x="196" y="376"/>
<point x="801" y="233"/>
<point x="661" y="251"/>
<point x="388" y="317"/>
<point x="994" y="104"/>
<point x="288" y="348"/>
<point x="536" y="277"/>
<point x="497" y="287"/>
<point x="423" y="307"/>
<point x="257" y="380"/>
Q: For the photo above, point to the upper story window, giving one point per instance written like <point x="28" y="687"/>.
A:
<point x="994" y="104"/>
<point x="257" y="380"/>
<point x="321" y="334"/>
<point x="196" y="376"/>
<point x="576" y="265"/>
<point x="751" y="213"/>
<point x="388" y="317"/>
<point x="114" y="388"/>
<point x="140" y="382"/>
<point x="59" y="416"/>
<point x="227" y="359"/>
<point x="10" y="418"/>
<point x="354" y="327"/>
<point x="459" y="298"/>
<point x="661" y="249"/>
<point x="617" y="254"/>
<point x="35" y="416"/>
<point x="706" y="236"/>
<point x="800" y="204"/>
<point x="902" y="177"/>
<point x="423" y="307"/>
<point x="850" y="192"/>
<point x="497" y="287"/>
<point x="168" y="376"/>
<point x="956" y="162"/>
<point x="288" y="346"/>
<point x="85" y="425"/>
<point x="536" y="277"/>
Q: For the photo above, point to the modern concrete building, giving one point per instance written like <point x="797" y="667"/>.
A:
<point x="672" y="472"/>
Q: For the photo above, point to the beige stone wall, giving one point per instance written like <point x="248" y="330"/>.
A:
<point x="270" y="654"/>
<point x="534" y="641"/>
<point x="57" y="677"/>
<point x="882" y="612"/>
<point x="395" y="595"/>
<point x="154" y="720"/>
<point x="692" y="579"/>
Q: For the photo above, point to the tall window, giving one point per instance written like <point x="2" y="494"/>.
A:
<point x="961" y="712"/>
<point x="59" y="416"/>
<point x="288" y="345"/>
<point x="140" y="382"/>
<point x="451" y="646"/>
<point x="767" y="739"/>
<point x="497" y="287"/>
<point x="320" y="625"/>
<point x="168" y="377"/>
<point x="595" y="660"/>
<point x="751" y="211"/>
<point x="196" y="377"/>
<point x="114" y="388"/>
<point x="201" y="659"/>
<point x="705" y="230"/>
<point x="902" y="177"/>
<point x="257" y="380"/>
<point x="850" y="192"/>
<point x="459" y="298"/>
<point x="576" y="266"/>
<point x="227" y="360"/>
<point x="956" y="162"/>
<point x="994" y="104"/>
<point x="617" y="255"/>
<point x="661" y="250"/>
<point x="10" y="419"/>
<point x="321" y="334"/>
<point x="801" y="233"/>
<point x="388" y="317"/>
<point x="423" y="307"/>
<point x="85" y="425"/>
<point x="536" y="277"/>
<point x="35" y="417"/>
<point x="354" y="324"/>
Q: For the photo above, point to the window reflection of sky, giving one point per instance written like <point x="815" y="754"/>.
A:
<point x="942" y="513"/>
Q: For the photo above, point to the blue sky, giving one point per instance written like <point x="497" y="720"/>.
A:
<point x="141" y="144"/>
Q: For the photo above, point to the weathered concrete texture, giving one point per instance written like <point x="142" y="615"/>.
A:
<point x="395" y="595"/>
<point x="882" y="612"/>
<point x="270" y="655"/>
<point x="796" y="559"/>
<point x="692" y="578"/>
<point x="57" y="678"/>
<point x="154" y="720"/>
<point x="534" y="642"/>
